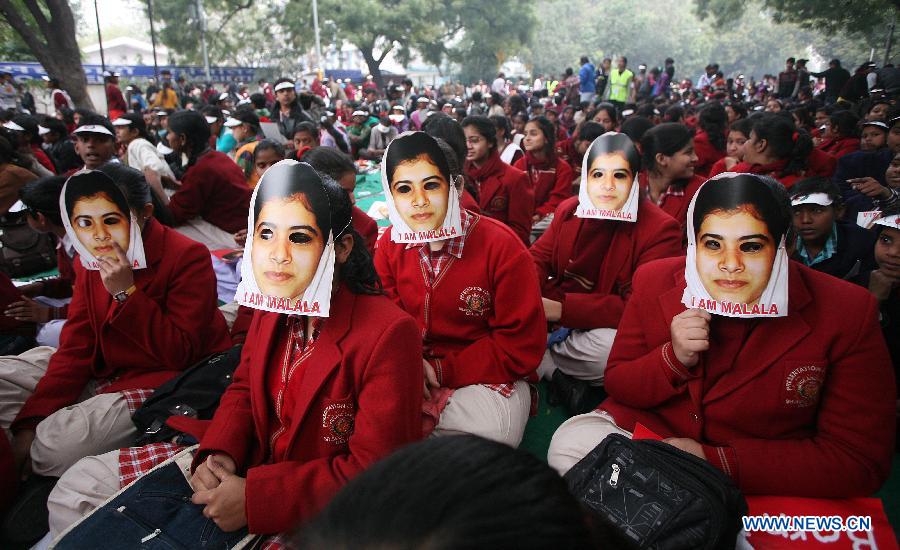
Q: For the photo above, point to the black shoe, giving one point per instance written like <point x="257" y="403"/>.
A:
<point x="574" y="394"/>
<point x="26" y="521"/>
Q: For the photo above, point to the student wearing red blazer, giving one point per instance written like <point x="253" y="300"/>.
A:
<point x="477" y="303"/>
<point x="668" y="156"/>
<point x="550" y="177"/>
<point x="211" y="204"/>
<point x="799" y="405"/>
<point x="113" y="351"/>
<point x="777" y="149"/>
<point x="504" y="192"/>
<point x="284" y="440"/>
<point x="585" y="268"/>
<point x="842" y="136"/>
<point x="709" y="141"/>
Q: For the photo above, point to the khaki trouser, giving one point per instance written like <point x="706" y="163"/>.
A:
<point x="481" y="411"/>
<point x="207" y="234"/>
<point x="582" y="355"/>
<point x="92" y="426"/>
<point x="578" y="436"/>
<point x="84" y="486"/>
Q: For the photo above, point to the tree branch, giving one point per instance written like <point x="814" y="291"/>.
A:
<point x="39" y="18"/>
<point x="232" y="13"/>
<point x="385" y="53"/>
<point x="15" y="20"/>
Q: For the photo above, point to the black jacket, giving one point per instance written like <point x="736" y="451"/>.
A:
<point x="855" y="253"/>
<point x="287" y="124"/>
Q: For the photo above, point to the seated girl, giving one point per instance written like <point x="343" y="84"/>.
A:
<point x="585" y="264"/>
<point x="469" y="283"/>
<point x="143" y="309"/>
<point x="210" y="204"/>
<point x="709" y="142"/>
<point x="668" y="169"/>
<point x="842" y="135"/>
<point x="323" y="389"/>
<point x="778" y="375"/>
<point x="503" y="191"/>
<point x="550" y="177"/>
<point x="738" y="134"/>
<point x="777" y="149"/>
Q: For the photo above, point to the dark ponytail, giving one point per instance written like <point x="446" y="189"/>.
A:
<point x="713" y="120"/>
<point x="358" y="272"/>
<point x="785" y="140"/>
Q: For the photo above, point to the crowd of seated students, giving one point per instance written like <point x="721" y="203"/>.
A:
<point x="523" y="286"/>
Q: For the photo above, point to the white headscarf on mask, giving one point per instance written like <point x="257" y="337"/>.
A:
<point x="586" y="209"/>
<point x="774" y="300"/>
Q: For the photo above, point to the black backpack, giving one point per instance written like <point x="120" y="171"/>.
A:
<point x="194" y="393"/>
<point x="24" y="251"/>
<point x="658" y="496"/>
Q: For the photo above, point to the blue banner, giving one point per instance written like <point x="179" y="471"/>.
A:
<point x="26" y="70"/>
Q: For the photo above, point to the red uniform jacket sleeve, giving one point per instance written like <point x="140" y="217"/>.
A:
<point x="517" y="337"/>
<point x="521" y="205"/>
<point x="562" y="189"/>
<point x="366" y="227"/>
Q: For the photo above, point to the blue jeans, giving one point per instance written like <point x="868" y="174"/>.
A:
<point x="155" y="512"/>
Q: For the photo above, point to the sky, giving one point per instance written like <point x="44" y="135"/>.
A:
<point x="117" y="18"/>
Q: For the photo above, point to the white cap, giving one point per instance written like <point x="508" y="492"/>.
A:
<point x="223" y="96"/>
<point x="398" y="107"/>
<point x="628" y="112"/>
<point x="121" y="122"/>
<point x="164" y="149"/>
<point x="822" y="199"/>
<point x="232" y="122"/>
<point x="360" y="113"/>
<point x="877" y="123"/>
<point x="226" y="113"/>
<point x="210" y="119"/>
<point x="422" y="99"/>
<point x="43" y="130"/>
<point x="18" y="206"/>
<point x="889" y="221"/>
<point x="243" y="101"/>
<point x="284" y="86"/>
<point x="10" y="125"/>
<point x="93" y="129"/>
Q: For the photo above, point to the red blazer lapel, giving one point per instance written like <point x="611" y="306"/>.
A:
<point x="489" y="187"/>
<point x="568" y="235"/>
<point x="270" y="325"/>
<point x="617" y="257"/>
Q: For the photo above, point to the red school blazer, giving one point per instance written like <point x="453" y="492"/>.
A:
<point x="171" y="322"/>
<point x="506" y="196"/>
<point x="365" y="370"/>
<point x="482" y="321"/>
<point x="808" y="407"/>
<point x="550" y="187"/>
<point x="654" y="235"/>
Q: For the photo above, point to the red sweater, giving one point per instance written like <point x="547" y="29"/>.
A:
<point x="483" y="320"/>
<point x="677" y="205"/>
<point x="707" y="154"/>
<point x="838" y="147"/>
<point x="170" y="322"/>
<point x="804" y="408"/>
<point x="363" y="376"/>
<point x="214" y="189"/>
<point x="551" y="184"/>
<point x="815" y="167"/>
<point x="504" y="194"/>
<point x="654" y="235"/>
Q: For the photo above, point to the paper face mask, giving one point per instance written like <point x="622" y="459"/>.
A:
<point x="737" y="265"/>
<point x="289" y="256"/>
<point x="97" y="219"/>
<point x="422" y="200"/>
<point x="609" y="188"/>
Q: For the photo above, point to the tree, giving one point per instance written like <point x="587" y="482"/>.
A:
<point x="47" y="27"/>
<point x="376" y="27"/>
<point x="845" y="16"/>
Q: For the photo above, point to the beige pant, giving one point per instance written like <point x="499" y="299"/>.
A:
<point x="93" y="426"/>
<point x="84" y="486"/>
<point x="578" y="436"/>
<point x="481" y="411"/>
<point x="207" y="234"/>
<point x="582" y="355"/>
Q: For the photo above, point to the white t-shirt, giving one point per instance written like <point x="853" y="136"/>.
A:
<point x="142" y="154"/>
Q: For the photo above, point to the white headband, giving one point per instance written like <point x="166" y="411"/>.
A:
<point x="93" y="129"/>
<point x="284" y="86"/>
<point x="822" y="199"/>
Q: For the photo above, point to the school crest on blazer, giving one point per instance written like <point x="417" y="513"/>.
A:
<point x="498" y="204"/>
<point x="802" y="386"/>
<point x="338" y="422"/>
<point x="476" y="301"/>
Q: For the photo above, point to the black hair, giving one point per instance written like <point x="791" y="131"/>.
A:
<point x="635" y="127"/>
<point x="91" y="183"/>
<point x="213" y="111"/>
<point x="674" y="113"/>
<point x="738" y="108"/>
<point x="845" y="124"/>
<point x="42" y="195"/>
<point x="483" y="126"/>
<point x="452" y="492"/>
<point x="8" y="154"/>
<point x="306" y="126"/>
<point x="269" y="145"/>
<point x="331" y="206"/>
<point x="137" y="123"/>
<point x="329" y="161"/>
<point x="502" y="123"/>
<point x="805" y="117"/>
<point x="517" y="105"/>
<point x="451" y="132"/>
<point x="546" y="127"/>
<point x="766" y="195"/>
<point x="713" y="120"/>
<point x="258" y="100"/>
<point x="785" y="140"/>
<point x="411" y="146"/>
<point x="818" y="184"/>
<point x="614" y="142"/>
<point x="743" y="126"/>
<point x="610" y="110"/>
<point x="195" y="130"/>
<point x="590" y="131"/>
<point x="56" y="126"/>
<point x="665" y="139"/>
<point x="137" y="191"/>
